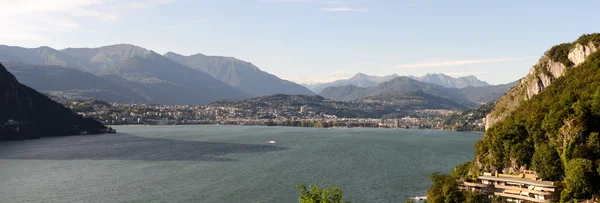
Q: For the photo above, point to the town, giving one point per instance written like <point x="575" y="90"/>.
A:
<point x="241" y="113"/>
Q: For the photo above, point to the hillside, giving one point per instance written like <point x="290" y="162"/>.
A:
<point x="415" y="98"/>
<point x="155" y="77"/>
<point x="552" y="129"/>
<point x="42" y="56"/>
<point x="72" y="83"/>
<point x="26" y="114"/>
<point x="486" y="94"/>
<point x="399" y="84"/>
<point x="239" y="74"/>
<point x="363" y="80"/>
<point x="552" y="65"/>
<point x="166" y="82"/>
<point x="359" y="80"/>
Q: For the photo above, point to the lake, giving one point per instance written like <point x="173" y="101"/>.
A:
<point x="228" y="164"/>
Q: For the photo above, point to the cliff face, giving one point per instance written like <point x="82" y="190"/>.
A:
<point x="25" y="113"/>
<point x="539" y="77"/>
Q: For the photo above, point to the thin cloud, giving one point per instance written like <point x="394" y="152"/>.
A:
<point x="61" y="15"/>
<point x="345" y="9"/>
<point x="456" y="63"/>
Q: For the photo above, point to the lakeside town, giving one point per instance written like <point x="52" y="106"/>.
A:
<point x="278" y="115"/>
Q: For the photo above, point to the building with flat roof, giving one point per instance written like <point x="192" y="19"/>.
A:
<point x="520" y="188"/>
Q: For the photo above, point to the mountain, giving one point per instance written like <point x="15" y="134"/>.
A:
<point x="550" y="122"/>
<point x="239" y="74"/>
<point x="451" y="82"/>
<point x="551" y="66"/>
<point x="25" y="113"/>
<point x="363" y="80"/>
<point x="360" y="80"/>
<point x="484" y="94"/>
<point x="398" y="84"/>
<point x="158" y="78"/>
<point x="415" y="98"/>
<point x="42" y="56"/>
<point x="72" y="83"/>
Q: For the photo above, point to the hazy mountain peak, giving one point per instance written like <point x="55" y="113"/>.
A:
<point x="360" y="75"/>
<point x="451" y="82"/>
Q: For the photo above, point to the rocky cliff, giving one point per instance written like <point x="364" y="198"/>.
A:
<point x="552" y="65"/>
<point x="26" y="114"/>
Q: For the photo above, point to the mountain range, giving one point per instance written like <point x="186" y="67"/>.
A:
<point x="239" y="74"/>
<point x="451" y="82"/>
<point x="134" y="74"/>
<point x="363" y="80"/>
<point x="394" y="86"/>
<point x="126" y="73"/>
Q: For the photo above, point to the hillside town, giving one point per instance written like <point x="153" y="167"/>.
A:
<point x="276" y="115"/>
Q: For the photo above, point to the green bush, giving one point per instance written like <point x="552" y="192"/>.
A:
<point x="317" y="194"/>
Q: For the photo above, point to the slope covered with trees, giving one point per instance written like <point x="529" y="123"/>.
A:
<point x="26" y="114"/>
<point x="555" y="132"/>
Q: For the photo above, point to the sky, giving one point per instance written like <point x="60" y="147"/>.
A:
<point x="310" y="41"/>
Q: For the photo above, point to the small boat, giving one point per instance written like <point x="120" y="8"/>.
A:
<point x="271" y="142"/>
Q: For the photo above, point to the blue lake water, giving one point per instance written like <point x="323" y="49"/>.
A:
<point x="228" y="164"/>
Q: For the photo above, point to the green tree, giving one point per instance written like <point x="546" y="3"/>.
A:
<point x="579" y="180"/>
<point x="546" y="162"/>
<point x="473" y="197"/>
<point x="596" y="102"/>
<point x="462" y="171"/>
<point x="444" y="189"/>
<point x="317" y="194"/>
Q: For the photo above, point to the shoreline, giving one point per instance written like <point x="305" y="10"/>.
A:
<point x="337" y="127"/>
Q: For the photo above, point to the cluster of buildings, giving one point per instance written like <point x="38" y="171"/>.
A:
<point x="521" y="188"/>
<point x="244" y="114"/>
<point x="469" y="122"/>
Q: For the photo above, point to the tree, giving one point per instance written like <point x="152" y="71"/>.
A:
<point x="579" y="180"/>
<point x="596" y="102"/>
<point x="319" y="195"/>
<point x="444" y="189"/>
<point x="473" y="197"/>
<point x="546" y="162"/>
<point x="462" y="171"/>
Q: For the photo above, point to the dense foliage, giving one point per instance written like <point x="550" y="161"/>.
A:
<point x="317" y="194"/>
<point x="445" y="190"/>
<point x="555" y="133"/>
<point x="560" y="53"/>
<point x="464" y="120"/>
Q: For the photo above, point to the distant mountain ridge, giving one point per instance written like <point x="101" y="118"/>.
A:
<point x="128" y="72"/>
<point x="159" y="79"/>
<point x="451" y="82"/>
<point x="239" y="74"/>
<point x="363" y="80"/>
<point x="359" y="80"/>
<point x="394" y="86"/>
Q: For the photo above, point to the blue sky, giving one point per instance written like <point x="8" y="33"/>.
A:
<point x="316" y="40"/>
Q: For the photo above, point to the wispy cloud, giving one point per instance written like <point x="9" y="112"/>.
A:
<point x="456" y="63"/>
<point x="32" y="19"/>
<point x="345" y="9"/>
